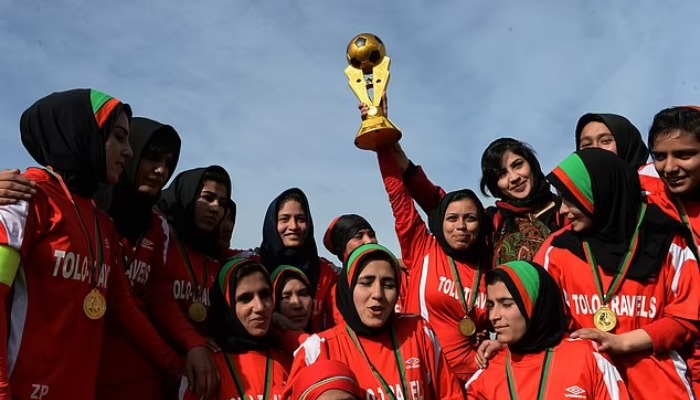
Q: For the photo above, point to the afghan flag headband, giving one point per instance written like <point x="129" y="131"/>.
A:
<point x="230" y="268"/>
<point x="523" y="281"/>
<point x="572" y="180"/>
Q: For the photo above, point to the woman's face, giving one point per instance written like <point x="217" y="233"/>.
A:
<point x="292" y="223"/>
<point x="461" y="224"/>
<point x="117" y="148"/>
<point x="153" y="173"/>
<point x="254" y="304"/>
<point x="504" y="314"/>
<point x="365" y="236"/>
<point x="226" y="230"/>
<point x="376" y="293"/>
<point x="580" y="222"/>
<point x="210" y="206"/>
<point x="677" y="160"/>
<point x="296" y="303"/>
<point x="597" y="135"/>
<point x="515" y="177"/>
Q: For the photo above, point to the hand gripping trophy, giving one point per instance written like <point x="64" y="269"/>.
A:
<point x="369" y="69"/>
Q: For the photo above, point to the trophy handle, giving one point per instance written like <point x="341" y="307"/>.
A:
<point x="356" y="80"/>
<point x="380" y="80"/>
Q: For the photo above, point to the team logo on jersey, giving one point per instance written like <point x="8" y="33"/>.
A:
<point x="145" y="243"/>
<point x="412" y="363"/>
<point x="574" y="392"/>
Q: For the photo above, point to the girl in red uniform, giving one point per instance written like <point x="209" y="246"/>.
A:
<point x="446" y="265"/>
<point x="614" y="133"/>
<point x="672" y="181"/>
<point x="526" y="309"/>
<point x="58" y="251"/>
<point x="293" y="299"/>
<point x="325" y="380"/>
<point x="194" y="205"/>
<point x="288" y="239"/>
<point x="625" y="270"/>
<point x="394" y="356"/>
<point x="126" y="371"/>
<point x="242" y="307"/>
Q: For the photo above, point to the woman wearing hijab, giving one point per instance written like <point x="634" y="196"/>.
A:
<point x="194" y="205"/>
<point x="242" y="309"/>
<point x="614" y="133"/>
<point x="126" y="371"/>
<point x="293" y="300"/>
<point x="288" y="239"/>
<point x="627" y="272"/>
<point x="393" y="356"/>
<point x="81" y="138"/>
<point x="526" y="309"/>
<point x="325" y="380"/>
<point x="672" y="180"/>
<point x="446" y="264"/>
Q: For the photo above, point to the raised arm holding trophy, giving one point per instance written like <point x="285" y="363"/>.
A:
<point x="369" y="69"/>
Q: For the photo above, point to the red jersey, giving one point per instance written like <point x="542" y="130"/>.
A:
<point x="185" y="287"/>
<point x="123" y="359"/>
<point x="591" y="376"/>
<point x="636" y="305"/>
<point x="251" y="368"/>
<point x="433" y="292"/>
<point x="53" y="348"/>
<point x="426" y="373"/>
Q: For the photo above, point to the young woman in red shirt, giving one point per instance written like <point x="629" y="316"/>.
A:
<point x="394" y="356"/>
<point x="446" y="259"/>
<point x="527" y="312"/>
<point x="627" y="273"/>
<point x="241" y="314"/>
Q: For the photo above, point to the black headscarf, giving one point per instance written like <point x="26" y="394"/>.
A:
<point x="177" y="204"/>
<point x="67" y="131"/>
<point x="630" y="146"/>
<point x="130" y="209"/>
<point x="341" y="231"/>
<point x="540" y="302"/>
<point x="228" y="331"/>
<point x="347" y="281"/>
<point x="481" y="250"/>
<point x="272" y="250"/>
<point x="607" y="188"/>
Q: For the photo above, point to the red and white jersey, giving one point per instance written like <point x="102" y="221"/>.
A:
<point x="432" y="291"/>
<point x="427" y="375"/>
<point x="53" y="348"/>
<point x="251" y="368"/>
<point x="636" y="305"/>
<point x="576" y="371"/>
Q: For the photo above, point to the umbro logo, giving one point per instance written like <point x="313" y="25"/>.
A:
<point x="412" y="363"/>
<point x="147" y="244"/>
<point x="574" y="392"/>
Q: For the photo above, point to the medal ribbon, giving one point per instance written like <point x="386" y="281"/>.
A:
<point x="239" y="384"/>
<point x="475" y="288"/>
<point x="399" y="361"/>
<point x="96" y="269"/>
<point x="624" y="265"/>
<point x="544" y="377"/>
<point x="183" y="252"/>
<point x="686" y="221"/>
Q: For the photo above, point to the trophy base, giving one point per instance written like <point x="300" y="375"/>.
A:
<point x="377" y="133"/>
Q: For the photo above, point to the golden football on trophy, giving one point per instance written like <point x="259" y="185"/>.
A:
<point x="369" y="70"/>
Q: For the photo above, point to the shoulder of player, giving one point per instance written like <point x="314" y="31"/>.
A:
<point x="328" y="265"/>
<point x="576" y="348"/>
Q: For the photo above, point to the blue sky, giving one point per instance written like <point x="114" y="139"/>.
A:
<point x="258" y="86"/>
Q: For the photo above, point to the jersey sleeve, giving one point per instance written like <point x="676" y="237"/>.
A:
<point x="411" y="230"/>
<point x="475" y="386"/>
<point x="427" y="194"/>
<point x="682" y="281"/>
<point x="166" y="312"/>
<point x="443" y="380"/>
<point x="311" y="350"/>
<point x="135" y="324"/>
<point x="607" y="380"/>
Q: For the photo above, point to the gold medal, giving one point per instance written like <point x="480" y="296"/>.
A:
<point x="198" y="312"/>
<point x="94" y="305"/>
<point x="467" y="327"/>
<point x="605" y="319"/>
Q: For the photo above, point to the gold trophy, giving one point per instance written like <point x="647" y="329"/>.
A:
<point x="369" y="69"/>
